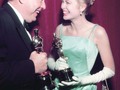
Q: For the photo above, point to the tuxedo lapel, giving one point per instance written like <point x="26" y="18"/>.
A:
<point x="19" y="27"/>
<point x="24" y="36"/>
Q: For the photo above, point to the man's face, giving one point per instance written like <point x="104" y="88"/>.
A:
<point x="32" y="8"/>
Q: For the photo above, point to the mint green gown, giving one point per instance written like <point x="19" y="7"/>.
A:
<point x="81" y="53"/>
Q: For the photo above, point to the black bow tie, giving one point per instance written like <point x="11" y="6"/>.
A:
<point x="26" y="25"/>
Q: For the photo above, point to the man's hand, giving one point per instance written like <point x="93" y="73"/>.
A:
<point x="39" y="60"/>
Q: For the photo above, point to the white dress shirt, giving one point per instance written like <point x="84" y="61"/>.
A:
<point x="21" y="19"/>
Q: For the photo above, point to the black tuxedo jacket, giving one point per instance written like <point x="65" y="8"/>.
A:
<point x="16" y="70"/>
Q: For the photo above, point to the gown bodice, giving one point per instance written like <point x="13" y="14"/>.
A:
<point x="81" y="53"/>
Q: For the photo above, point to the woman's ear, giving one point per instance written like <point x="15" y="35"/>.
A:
<point x="83" y="6"/>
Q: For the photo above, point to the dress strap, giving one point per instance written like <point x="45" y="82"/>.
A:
<point x="92" y="31"/>
<point x="60" y="30"/>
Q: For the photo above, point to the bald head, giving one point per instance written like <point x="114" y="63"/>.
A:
<point x="28" y="10"/>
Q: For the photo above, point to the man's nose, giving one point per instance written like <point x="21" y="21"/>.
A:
<point x="43" y="5"/>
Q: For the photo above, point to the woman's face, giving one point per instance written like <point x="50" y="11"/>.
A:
<point x="71" y="9"/>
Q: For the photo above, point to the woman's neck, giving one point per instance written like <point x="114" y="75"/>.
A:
<point x="79" y="24"/>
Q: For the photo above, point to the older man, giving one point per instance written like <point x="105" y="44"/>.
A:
<point x="19" y="63"/>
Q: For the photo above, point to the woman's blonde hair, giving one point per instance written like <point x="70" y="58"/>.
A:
<point x="88" y="3"/>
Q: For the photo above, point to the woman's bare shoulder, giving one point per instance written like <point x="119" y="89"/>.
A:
<point x="101" y="35"/>
<point x="60" y="27"/>
<point x="100" y="31"/>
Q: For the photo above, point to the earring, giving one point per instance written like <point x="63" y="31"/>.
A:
<point x="81" y="13"/>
